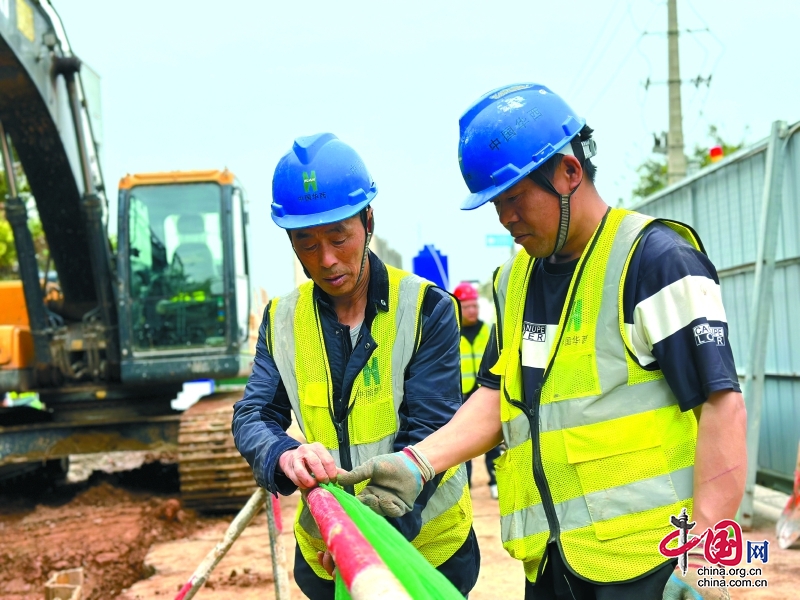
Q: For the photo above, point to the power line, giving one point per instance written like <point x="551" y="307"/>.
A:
<point x="643" y="101"/>
<point x="722" y="48"/>
<point x="599" y="57"/>
<point x="590" y="54"/>
<point x="614" y="76"/>
<point x="635" y="45"/>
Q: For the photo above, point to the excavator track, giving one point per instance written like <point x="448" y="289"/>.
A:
<point x="214" y="476"/>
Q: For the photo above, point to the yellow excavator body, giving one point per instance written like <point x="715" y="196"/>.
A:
<point x="16" y="343"/>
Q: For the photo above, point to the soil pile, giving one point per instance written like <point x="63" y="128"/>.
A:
<point x="103" y="528"/>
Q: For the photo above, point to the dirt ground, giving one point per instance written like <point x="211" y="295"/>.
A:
<point x="105" y="524"/>
<point x="128" y="531"/>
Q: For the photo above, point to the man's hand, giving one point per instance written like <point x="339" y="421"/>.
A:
<point x="308" y="465"/>
<point x="396" y="481"/>
<point x="326" y="561"/>
<point x="685" y="587"/>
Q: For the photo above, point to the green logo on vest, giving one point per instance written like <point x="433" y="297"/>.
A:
<point x="371" y="373"/>
<point x="574" y="323"/>
<point x="310" y="183"/>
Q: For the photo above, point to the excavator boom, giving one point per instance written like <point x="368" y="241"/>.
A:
<point x="104" y="357"/>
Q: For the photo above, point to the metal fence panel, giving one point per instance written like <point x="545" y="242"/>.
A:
<point x="723" y="203"/>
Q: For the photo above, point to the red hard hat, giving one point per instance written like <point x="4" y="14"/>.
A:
<point x="465" y="291"/>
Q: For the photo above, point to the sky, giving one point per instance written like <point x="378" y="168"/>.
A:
<point x="198" y="85"/>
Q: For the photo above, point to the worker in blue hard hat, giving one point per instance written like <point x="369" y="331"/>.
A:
<point x="610" y="377"/>
<point x="365" y="355"/>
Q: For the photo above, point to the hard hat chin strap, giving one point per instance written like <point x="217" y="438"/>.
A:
<point x="564" y="206"/>
<point x="582" y="150"/>
<point x="369" y="226"/>
<point x="563" y="222"/>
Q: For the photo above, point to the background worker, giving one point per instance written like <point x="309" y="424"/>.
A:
<point x="616" y="391"/>
<point x="365" y="355"/>
<point x="474" y="336"/>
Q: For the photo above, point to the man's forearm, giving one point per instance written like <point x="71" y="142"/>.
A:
<point x="720" y="466"/>
<point x="261" y="442"/>
<point x="474" y="430"/>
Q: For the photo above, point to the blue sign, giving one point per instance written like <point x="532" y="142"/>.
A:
<point x="504" y="240"/>
<point x="432" y="265"/>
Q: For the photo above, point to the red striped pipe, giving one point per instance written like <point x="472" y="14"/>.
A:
<point x="185" y="589"/>
<point x="364" y="573"/>
<point x="276" y="513"/>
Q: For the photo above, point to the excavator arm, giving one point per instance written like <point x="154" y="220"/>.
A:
<point x="44" y="112"/>
<point x="172" y="306"/>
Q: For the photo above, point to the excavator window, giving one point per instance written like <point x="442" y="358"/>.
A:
<point x="176" y="266"/>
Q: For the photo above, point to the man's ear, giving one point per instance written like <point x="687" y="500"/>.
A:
<point x="572" y="169"/>
<point x="370" y="221"/>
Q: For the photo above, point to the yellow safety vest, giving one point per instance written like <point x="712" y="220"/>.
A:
<point x="613" y="447"/>
<point x="471" y="355"/>
<point x="298" y="348"/>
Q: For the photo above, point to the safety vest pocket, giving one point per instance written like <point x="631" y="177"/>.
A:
<point x="623" y="472"/>
<point x="614" y="436"/>
<point x="577" y="373"/>
<point x="513" y="515"/>
<point x="315" y="393"/>
<point x="316" y="415"/>
<point x="372" y="421"/>
<point x="504" y="473"/>
<point x="522" y="517"/>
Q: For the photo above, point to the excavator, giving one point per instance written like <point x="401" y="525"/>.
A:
<point x="106" y="349"/>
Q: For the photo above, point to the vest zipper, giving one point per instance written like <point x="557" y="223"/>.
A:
<point x="539" y="478"/>
<point x="538" y="469"/>
<point x="343" y="436"/>
<point x="342" y="431"/>
<point x="340" y="422"/>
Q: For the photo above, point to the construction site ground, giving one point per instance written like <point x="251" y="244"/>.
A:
<point x="125" y="526"/>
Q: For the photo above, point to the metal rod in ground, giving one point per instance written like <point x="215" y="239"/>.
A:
<point x="364" y="573"/>
<point x="212" y="559"/>
<point x="279" y="573"/>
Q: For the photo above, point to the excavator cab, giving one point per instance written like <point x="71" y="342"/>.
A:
<point x="182" y="276"/>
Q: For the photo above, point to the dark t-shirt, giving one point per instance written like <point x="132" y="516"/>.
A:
<point x="672" y="310"/>
<point x="471" y="331"/>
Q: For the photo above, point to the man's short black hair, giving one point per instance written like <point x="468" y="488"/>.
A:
<point x="548" y="169"/>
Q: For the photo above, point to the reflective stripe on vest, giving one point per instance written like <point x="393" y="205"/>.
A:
<point x="471" y="355"/>
<point x="616" y="451"/>
<point x="298" y="349"/>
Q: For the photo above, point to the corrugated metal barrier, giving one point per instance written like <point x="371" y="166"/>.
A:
<point x="724" y="203"/>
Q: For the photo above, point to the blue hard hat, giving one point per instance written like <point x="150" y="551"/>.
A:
<point x="320" y="180"/>
<point x="509" y="133"/>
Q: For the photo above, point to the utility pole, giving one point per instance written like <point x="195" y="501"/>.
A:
<point x="676" y="159"/>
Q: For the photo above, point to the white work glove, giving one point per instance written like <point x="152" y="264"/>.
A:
<point x="395" y="481"/>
